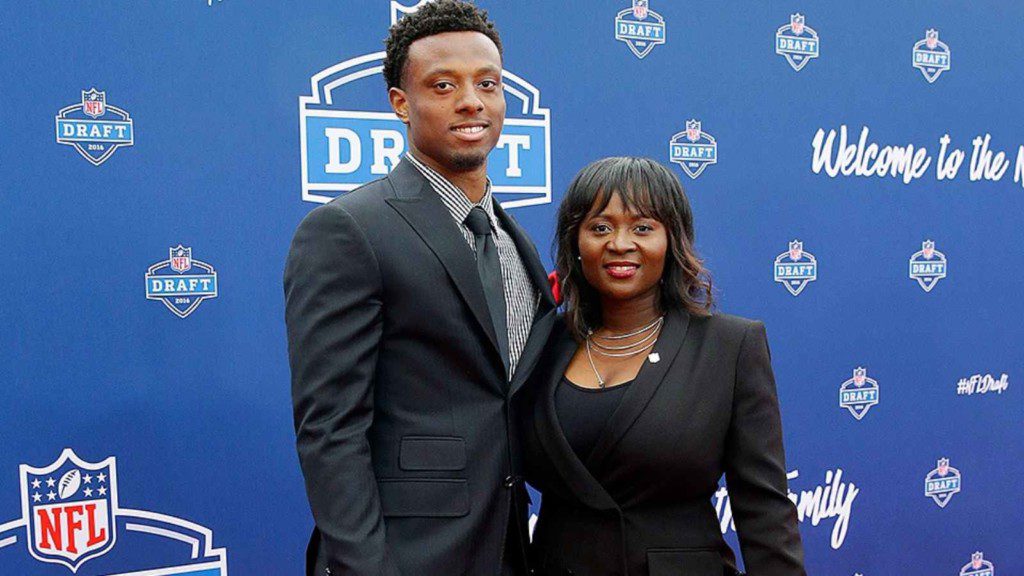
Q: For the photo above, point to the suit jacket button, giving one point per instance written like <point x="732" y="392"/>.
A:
<point x="510" y="481"/>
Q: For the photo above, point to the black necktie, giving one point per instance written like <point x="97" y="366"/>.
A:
<point x="488" y="265"/>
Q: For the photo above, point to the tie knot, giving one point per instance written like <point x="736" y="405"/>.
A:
<point x="478" y="222"/>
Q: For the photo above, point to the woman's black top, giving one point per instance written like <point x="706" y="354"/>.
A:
<point x="583" y="412"/>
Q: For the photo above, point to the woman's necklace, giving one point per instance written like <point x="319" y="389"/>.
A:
<point x="649" y="335"/>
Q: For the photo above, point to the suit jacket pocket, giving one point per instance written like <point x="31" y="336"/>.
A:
<point x="684" y="562"/>
<point x="429" y="497"/>
<point x="432" y="453"/>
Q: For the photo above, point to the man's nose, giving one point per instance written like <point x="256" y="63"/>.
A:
<point x="469" y="101"/>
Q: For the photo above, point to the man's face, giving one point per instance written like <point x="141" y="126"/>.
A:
<point x="451" y="99"/>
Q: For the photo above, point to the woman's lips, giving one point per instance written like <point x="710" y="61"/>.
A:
<point x="621" y="271"/>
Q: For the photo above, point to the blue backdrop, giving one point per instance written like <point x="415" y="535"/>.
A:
<point x="155" y="158"/>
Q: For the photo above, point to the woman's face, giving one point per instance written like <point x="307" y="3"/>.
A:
<point x="622" y="254"/>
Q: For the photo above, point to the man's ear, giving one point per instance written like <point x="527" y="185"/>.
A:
<point x="399" y="103"/>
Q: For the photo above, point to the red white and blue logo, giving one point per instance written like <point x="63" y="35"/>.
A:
<point x="796" y="268"/>
<point x="978" y="566"/>
<point x="181" y="282"/>
<point x="71" y="520"/>
<point x="94" y="128"/>
<point x="928" y="266"/>
<point x="859" y="393"/>
<point x="797" y="42"/>
<point x="69" y="508"/>
<point x="640" y="28"/>
<point x="942" y="483"/>
<point x="931" y="56"/>
<point x="693" y="149"/>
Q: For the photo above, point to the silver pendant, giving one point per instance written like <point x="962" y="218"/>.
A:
<point x="654" y="357"/>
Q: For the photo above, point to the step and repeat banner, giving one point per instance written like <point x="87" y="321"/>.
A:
<point x="856" y="170"/>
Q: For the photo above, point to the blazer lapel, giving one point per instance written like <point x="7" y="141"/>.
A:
<point x="643" y="388"/>
<point x="546" y="311"/>
<point x="423" y="209"/>
<point x="574" y="473"/>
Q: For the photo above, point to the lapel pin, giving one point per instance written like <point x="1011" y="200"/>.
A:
<point x="654" y="357"/>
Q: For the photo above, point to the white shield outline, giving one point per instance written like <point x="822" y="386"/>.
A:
<point x="651" y="14"/>
<point x="325" y="81"/>
<point x="931" y="78"/>
<point x="862" y="408"/>
<point x="398" y="10"/>
<point x="927" y="282"/>
<point x="798" y="66"/>
<point x="111" y="147"/>
<point x="705" y="140"/>
<point x="199" y="298"/>
<point x="943" y="498"/>
<point x="795" y="286"/>
<point x="69" y="455"/>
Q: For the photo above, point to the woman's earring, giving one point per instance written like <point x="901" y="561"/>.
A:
<point x="580" y="258"/>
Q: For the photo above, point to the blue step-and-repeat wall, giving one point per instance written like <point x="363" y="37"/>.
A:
<point x="855" y="169"/>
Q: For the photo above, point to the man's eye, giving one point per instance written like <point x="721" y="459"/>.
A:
<point x="443" y="85"/>
<point x="488" y="84"/>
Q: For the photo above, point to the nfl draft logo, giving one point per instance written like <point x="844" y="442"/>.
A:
<point x="346" y="142"/>
<point x="797" y="42"/>
<point x="640" y="28"/>
<point x="180" y="291"/>
<point x="858" y="394"/>
<point x="70" y="514"/>
<point x="928" y="266"/>
<point x="978" y="566"/>
<point x="693" y="149"/>
<point x="940" y="484"/>
<point x="795" y="268"/>
<point x="96" y="129"/>
<point x="931" y="56"/>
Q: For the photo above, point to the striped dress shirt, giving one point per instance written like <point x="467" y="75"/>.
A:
<point x="521" y="298"/>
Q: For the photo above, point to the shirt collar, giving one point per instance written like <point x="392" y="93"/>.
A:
<point x="453" y="197"/>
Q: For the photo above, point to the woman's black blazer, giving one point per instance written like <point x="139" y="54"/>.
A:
<point x="640" y="503"/>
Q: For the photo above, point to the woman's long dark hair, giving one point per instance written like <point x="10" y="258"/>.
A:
<point x="651" y="190"/>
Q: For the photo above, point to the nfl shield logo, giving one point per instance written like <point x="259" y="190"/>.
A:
<point x="69" y="509"/>
<point x="978" y="566"/>
<point x="640" y="8"/>
<point x="796" y="250"/>
<point x="94" y="103"/>
<point x="181" y="259"/>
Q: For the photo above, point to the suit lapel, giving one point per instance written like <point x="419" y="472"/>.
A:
<point x="643" y="388"/>
<point x="546" y="311"/>
<point x="577" y="478"/>
<point x="423" y="209"/>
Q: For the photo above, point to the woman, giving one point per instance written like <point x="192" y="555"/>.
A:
<point x="645" y="398"/>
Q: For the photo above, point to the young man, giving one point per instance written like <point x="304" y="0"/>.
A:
<point x="415" y="309"/>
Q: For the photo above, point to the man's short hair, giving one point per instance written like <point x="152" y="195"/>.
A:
<point x="433" y="18"/>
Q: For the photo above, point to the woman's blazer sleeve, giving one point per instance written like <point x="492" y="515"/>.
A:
<point x="755" y="466"/>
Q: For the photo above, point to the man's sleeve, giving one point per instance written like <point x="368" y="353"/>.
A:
<point x="333" y="313"/>
<point x="755" y="466"/>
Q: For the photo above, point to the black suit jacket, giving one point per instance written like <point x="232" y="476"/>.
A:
<point x="640" y="503"/>
<point x="400" y="397"/>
